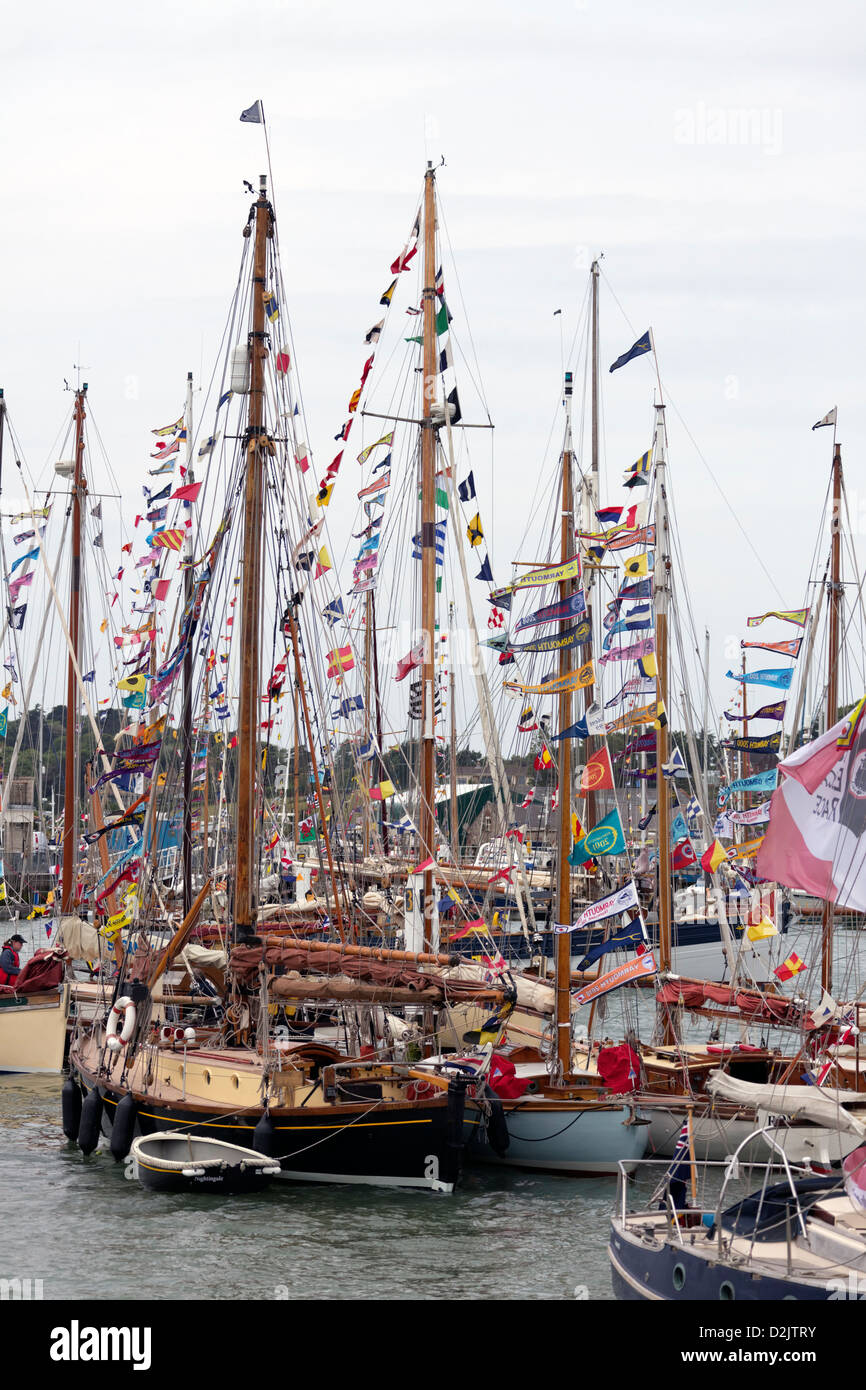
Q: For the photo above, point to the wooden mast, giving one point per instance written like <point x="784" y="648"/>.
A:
<point x="186" y="715"/>
<point x="248" y="715"/>
<point x="383" y="806"/>
<point x="70" y="790"/>
<point x="426" y="820"/>
<point x="835" y="595"/>
<point x="662" y="601"/>
<point x="589" y="693"/>
<point x="563" y="911"/>
<point x="455" y="821"/>
<point x="367" y="762"/>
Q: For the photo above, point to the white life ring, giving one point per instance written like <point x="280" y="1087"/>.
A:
<point x="125" y="1006"/>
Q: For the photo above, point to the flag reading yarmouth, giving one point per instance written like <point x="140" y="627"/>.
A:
<point x="634" y="969"/>
<point x="620" y="901"/>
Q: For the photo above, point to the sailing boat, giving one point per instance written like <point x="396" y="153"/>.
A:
<point x="34" y="1011"/>
<point x="322" y="1114"/>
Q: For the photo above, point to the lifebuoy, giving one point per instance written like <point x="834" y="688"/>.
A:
<point x="125" y="1006"/>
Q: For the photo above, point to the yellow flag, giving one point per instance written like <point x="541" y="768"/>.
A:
<point x="759" y="931"/>
<point x="138" y="684"/>
<point x="637" y="565"/>
<point x="575" y="680"/>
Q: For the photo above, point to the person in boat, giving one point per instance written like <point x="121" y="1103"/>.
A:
<point x="10" y="966"/>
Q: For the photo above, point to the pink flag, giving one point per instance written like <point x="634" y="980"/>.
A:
<point x="632" y="653"/>
<point x="16" y="585"/>
<point x="816" y="838"/>
<point x="408" y="663"/>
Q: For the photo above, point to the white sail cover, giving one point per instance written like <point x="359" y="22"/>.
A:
<point x="821" y="1107"/>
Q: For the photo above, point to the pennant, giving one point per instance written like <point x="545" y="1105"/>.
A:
<point x="486" y="573"/>
<point x="575" y="680"/>
<point x="776" y="711"/>
<point x="378" y="485"/>
<point x="169" y="429"/>
<point x="402" y="261"/>
<point x="829" y="419"/>
<point x="638" y="649"/>
<point x="643" y="344"/>
<point x="454" y="403"/>
<point x="760" y="782"/>
<point x="799" y="616"/>
<point x="779" y="677"/>
<point x="609" y="906"/>
<point x="574" y="637"/>
<point x="375" y="332"/>
<point x="790" y="648"/>
<point x="389" y="294"/>
<point x="550" y="574"/>
<point x="770" y="743"/>
<point x="573" y="606"/>
<point x="254" y="114"/>
<point x="365" y="453"/>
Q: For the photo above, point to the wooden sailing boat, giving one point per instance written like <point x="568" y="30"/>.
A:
<point x="323" y="1115"/>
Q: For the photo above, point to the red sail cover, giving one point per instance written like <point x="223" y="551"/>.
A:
<point x="619" y="1068"/>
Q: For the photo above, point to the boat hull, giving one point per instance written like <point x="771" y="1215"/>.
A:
<point x="408" y="1145"/>
<point x="664" y="1272"/>
<point x="715" y="1137"/>
<point x="555" y="1137"/>
<point x="33" y="1033"/>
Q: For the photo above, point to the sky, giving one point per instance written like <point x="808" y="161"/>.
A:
<point x="715" y="155"/>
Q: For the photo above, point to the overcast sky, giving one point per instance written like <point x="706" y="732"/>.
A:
<point x="715" y="154"/>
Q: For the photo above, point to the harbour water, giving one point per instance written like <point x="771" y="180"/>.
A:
<point x="68" y="1219"/>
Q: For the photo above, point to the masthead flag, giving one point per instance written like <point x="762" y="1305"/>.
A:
<point x="643" y="344"/>
<point x="253" y="113"/>
<point x="829" y="419"/>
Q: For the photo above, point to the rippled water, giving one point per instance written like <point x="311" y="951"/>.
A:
<point x="87" y="1232"/>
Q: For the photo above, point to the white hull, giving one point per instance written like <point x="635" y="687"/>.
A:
<point x="716" y="1138"/>
<point x="33" y="1034"/>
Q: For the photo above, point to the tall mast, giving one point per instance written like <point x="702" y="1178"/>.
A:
<point x="428" y="549"/>
<point x="592" y="520"/>
<point x="70" y="797"/>
<point x="381" y="765"/>
<point x="563" y="912"/>
<point x="455" y="824"/>
<point x="662" y="604"/>
<point x="248" y="715"/>
<point x="368" y="762"/>
<point x="186" y="718"/>
<point x="835" y="594"/>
